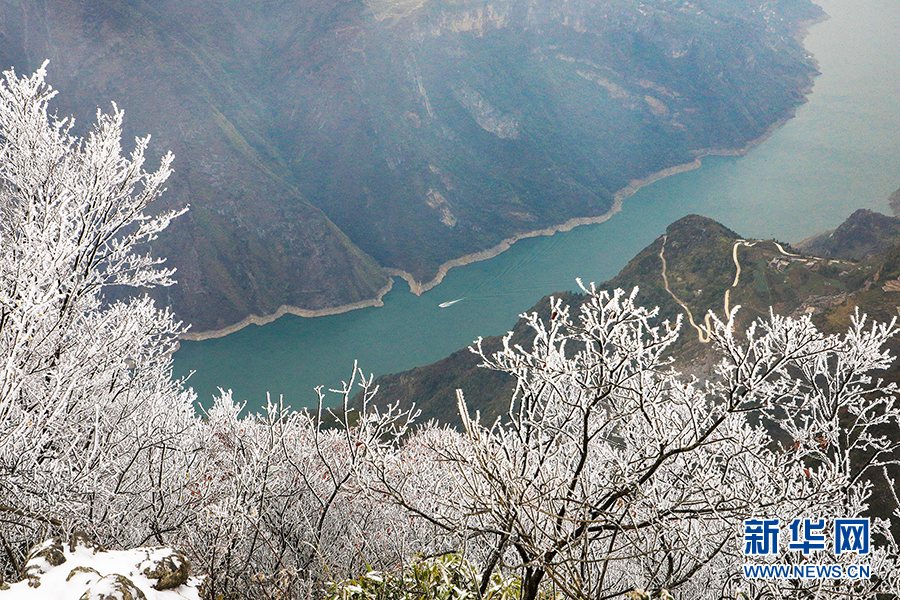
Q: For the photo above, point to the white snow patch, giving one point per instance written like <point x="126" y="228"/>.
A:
<point x="61" y="583"/>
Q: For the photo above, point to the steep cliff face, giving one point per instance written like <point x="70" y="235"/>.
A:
<point x="319" y="142"/>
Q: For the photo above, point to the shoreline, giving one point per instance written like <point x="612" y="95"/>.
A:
<point x="634" y="186"/>
<point x="287" y="309"/>
<point x="419" y="288"/>
<point x="619" y="196"/>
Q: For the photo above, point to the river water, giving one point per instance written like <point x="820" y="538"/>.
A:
<point x="841" y="152"/>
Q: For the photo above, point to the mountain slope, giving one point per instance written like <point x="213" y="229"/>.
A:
<point x="700" y="269"/>
<point x="323" y="142"/>
<point x="251" y="241"/>
<point x="865" y="233"/>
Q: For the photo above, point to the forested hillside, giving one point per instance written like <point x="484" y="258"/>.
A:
<point x="321" y="143"/>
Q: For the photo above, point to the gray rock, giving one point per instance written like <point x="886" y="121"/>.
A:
<point x="113" y="587"/>
<point x="80" y="538"/>
<point x="51" y="551"/>
<point x="77" y="570"/>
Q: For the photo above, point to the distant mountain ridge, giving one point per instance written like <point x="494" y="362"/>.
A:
<point x="864" y="234"/>
<point x="321" y="144"/>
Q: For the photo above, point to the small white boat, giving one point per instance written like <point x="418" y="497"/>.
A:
<point x="450" y="303"/>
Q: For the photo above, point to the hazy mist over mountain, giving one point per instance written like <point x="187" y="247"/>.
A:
<point x="320" y="143"/>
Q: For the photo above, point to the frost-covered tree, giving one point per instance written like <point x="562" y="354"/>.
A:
<point x="280" y="509"/>
<point x="94" y="432"/>
<point x="611" y="472"/>
<point x="89" y="413"/>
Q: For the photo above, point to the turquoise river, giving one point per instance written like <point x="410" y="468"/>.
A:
<point x="841" y="152"/>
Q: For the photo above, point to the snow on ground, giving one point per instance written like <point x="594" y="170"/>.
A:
<point x="79" y="570"/>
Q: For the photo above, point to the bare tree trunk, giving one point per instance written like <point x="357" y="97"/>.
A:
<point x="530" y="583"/>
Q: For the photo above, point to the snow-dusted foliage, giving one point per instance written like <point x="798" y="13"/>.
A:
<point x="88" y="410"/>
<point x="611" y="474"/>
<point x="279" y="502"/>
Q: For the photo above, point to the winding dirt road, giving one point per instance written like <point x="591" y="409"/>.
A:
<point x="704" y="329"/>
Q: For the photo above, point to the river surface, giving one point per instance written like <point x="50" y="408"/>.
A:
<point x="841" y="152"/>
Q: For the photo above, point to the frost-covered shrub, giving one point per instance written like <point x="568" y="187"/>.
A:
<point x="278" y="499"/>
<point x="91" y="421"/>
<point x="609" y="475"/>
<point x="611" y="472"/>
